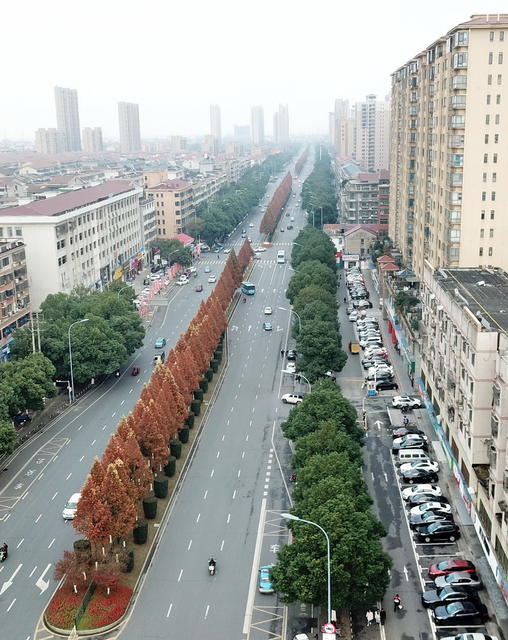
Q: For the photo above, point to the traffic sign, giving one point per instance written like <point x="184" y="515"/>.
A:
<point x="328" y="628"/>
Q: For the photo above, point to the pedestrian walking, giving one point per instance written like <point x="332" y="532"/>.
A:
<point x="370" y="616"/>
<point x="287" y="353"/>
<point x="344" y="298"/>
<point x="377" y="616"/>
<point x="382" y="616"/>
<point x="396" y="602"/>
<point x="282" y="352"/>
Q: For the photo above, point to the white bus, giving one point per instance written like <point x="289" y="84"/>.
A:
<point x="281" y="257"/>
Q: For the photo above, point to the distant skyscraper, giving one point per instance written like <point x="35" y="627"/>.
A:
<point x="92" y="139"/>
<point x="258" y="125"/>
<point x="215" y="123"/>
<point x="49" y="141"/>
<point x="67" y="117"/>
<point x="210" y="145"/>
<point x="283" y="123"/>
<point x="275" y="135"/>
<point x="372" y="133"/>
<point x="128" y="118"/>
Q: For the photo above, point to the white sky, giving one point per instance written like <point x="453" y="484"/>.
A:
<point x="175" y="57"/>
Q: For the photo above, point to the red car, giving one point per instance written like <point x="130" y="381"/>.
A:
<point x="449" y="566"/>
<point x="134" y="371"/>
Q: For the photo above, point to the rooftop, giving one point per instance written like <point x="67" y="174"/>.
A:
<point x="171" y="185"/>
<point x="69" y="201"/>
<point x="484" y="290"/>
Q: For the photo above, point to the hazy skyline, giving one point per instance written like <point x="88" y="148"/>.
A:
<point x="174" y="60"/>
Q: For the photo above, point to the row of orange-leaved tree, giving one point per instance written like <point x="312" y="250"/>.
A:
<point x="273" y="210"/>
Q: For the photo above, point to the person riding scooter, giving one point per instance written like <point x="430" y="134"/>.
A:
<point x="211" y="566"/>
<point x="3" y="552"/>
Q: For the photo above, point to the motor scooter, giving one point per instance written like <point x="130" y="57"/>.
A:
<point x="3" y="555"/>
<point x="211" y="569"/>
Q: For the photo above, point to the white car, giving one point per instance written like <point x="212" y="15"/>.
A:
<point x="180" y="283"/>
<point x="292" y="398"/>
<point x="465" y="636"/>
<point x="251" y="225"/>
<point x="353" y="316"/>
<point x="410" y="437"/>
<point x="260" y="249"/>
<point x="228" y="250"/>
<point x="406" y="401"/>
<point x="212" y="278"/>
<point x="430" y="506"/>
<point x="268" y="311"/>
<point x="426" y="465"/>
<point x="291" y="367"/>
<point x="71" y="507"/>
<point x="430" y="489"/>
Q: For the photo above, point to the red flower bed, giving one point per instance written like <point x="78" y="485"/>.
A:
<point x="103" y="609"/>
<point x="63" y="607"/>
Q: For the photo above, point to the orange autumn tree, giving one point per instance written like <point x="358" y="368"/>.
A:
<point x="151" y="440"/>
<point x="174" y="365"/>
<point x="91" y="515"/>
<point x="245" y="255"/>
<point x="122" y="510"/>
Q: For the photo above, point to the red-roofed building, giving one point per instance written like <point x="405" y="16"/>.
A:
<point x="174" y="205"/>
<point x="86" y="237"/>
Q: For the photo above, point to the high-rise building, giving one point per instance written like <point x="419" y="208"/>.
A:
<point x="275" y="136"/>
<point x="210" y="145"/>
<point x="128" y="118"/>
<point x="258" y="125"/>
<point x="341" y="129"/>
<point x="67" y="117"/>
<point x="283" y="123"/>
<point x="92" y="139"/>
<point x="177" y="143"/>
<point x="49" y="141"/>
<point x="215" y="123"/>
<point x="448" y="186"/>
<point x="372" y="133"/>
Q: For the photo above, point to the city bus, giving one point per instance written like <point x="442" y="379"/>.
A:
<point x="281" y="257"/>
<point x="248" y="289"/>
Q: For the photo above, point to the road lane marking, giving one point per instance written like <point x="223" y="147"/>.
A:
<point x="222" y="545"/>
<point x="169" y="610"/>
<point x="80" y="427"/>
<point x="207" y="610"/>
<point x="254" y="570"/>
<point x="10" y="606"/>
<point x="33" y="571"/>
<point x="199" y="516"/>
<point x="54" y="496"/>
<point x="223" y="437"/>
<point x="70" y="474"/>
<point x="229" y="518"/>
<point x="20" y="543"/>
<point x="82" y="458"/>
<point x="234" y="494"/>
<point x="227" y="423"/>
<point x="180" y="575"/>
<point x="211" y="474"/>
<point x="51" y="543"/>
<point x="247" y="437"/>
<point x="239" y="472"/>
<point x="38" y="518"/>
<point x="243" y="455"/>
<point x="218" y="454"/>
<point x="190" y="545"/>
<point x="114" y="414"/>
<point x="93" y="443"/>
<point x="205" y="494"/>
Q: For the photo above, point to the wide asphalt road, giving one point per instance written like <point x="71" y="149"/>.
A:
<point x="50" y="467"/>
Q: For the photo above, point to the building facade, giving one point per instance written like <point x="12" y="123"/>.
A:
<point x="215" y="123"/>
<point x="67" y="117"/>
<point x="257" y="125"/>
<point x="92" y="140"/>
<point x="174" y="206"/>
<point x="15" y="303"/>
<point x="50" y="141"/>
<point x="448" y="194"/>
<point x="464" y="370"/>
<point x="86" y="237"/>
<point x="364" y="198"/>
<point x="372" y="133"/>
<point x="128" y="120"/>
<point x="283" y="123"/>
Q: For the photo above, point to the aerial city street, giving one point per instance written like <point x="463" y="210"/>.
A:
<point x="254" y="333"/>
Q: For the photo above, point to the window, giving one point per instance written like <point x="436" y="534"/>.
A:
<point x="62" y="260"/>
<point x="482" y="215"/>
<point x="485" y="157"/>
<point x="484" y="195"/>
<point x="496" y="138"/>
<point x="500" y="58"/>
<point x="486" y="138"/>
<point x="491" y="36"/>
<point x="496" y="118"/>
<point x="498" y="98"/>
<point x="489" y="79"/>
<point x="501" y="36"/>
<point x="480" y="252"/>
<point x="488" y="98"/>
<point x="491" y="233"/>
<point x="494" y="158"/>
<point x="484" y="176"/>
<point x="482" y="233"/>
<point x="499" y="79"/>
<point x="494" y="177"/>
<point x="491" y="57"/>
<point x="492" y="214"/>
<point x="487" y="119"/>
<point x="491" y="251"/>
<point x="493" y="195"/>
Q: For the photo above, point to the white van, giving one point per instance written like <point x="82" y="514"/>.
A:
<point x="410" y="455"/>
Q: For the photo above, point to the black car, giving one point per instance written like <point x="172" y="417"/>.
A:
<point x="421" y="498"/>
<point x="291" y="355"/>
<point x="460" y="613"/>
<point x="418" y="476"/>
<point x="386" y="385"/>
<point x="21" y="419"/>
<point x="438" y="531"/>
<point x="415" y="520"/>
<point x="441" y="597"/>
<point x="409" y="443"/>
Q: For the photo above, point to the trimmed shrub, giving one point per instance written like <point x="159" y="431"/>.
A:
<point x="150" y="508"/>
<point x="160" y="487"/>
<point x="127" y="559"/>
<point x="189" y="422"/>
<point x="170" y="468"/>
<point x="203" y="384"/>
<point x="214" y="365"/>
<point x="82" y="545"/>
<point x="217" y="356"/>
<point x="175" y="446"/>
<point x="198" y="394"/>
<point x="183" y="435"/>
<point x="140" y="532"/>
<point x="209" y="374"/>
<point x="196" y="407"/>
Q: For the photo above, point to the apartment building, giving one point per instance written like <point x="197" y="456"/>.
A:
<point x="50" y="141"/>
<point x="174" y="206"/>
<point x="67" y="117"/>
<point x="92" y="139"/>
<point x="15" y="304"/>
<point x="449" y="128"/>
<point x="128" y="121"/>
<point x="364" y="198"/>
<point x="86" y="237"/>
<point x="464" y="369"/>
<point x="215" y="123"/>
<point x="258" y="125"/>
<point x="372" y="133"/>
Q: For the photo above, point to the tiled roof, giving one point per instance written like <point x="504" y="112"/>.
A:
<point x="69" y="201"/>
<point x="171" y="185"/>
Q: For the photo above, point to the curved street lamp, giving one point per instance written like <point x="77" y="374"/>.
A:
<point x="70" y="354"/>
<point x="290" y="516"/>
<point x="296" y="314"/>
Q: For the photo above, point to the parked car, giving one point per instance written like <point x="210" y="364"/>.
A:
<point x="423" y="465"/>
<point x="462" y="636"/>
<point x="436" y="597"/>
<point x="406" y="401"/>
<point x="450" y="565"/>
<point x="292" y="398"/>
<point x="264" y="579"/>
<point x="415" y="476"/>
<point x="198" y="288"/>
<point x="291" y="354"/>
<point x="400" y="432"/>
<point x="460" y="614"/>
<point x="379" y="375"/>
<point x="291" y="367"/>
<point x="212" y="279"/>
<point x="71" y="507"/>
<point x="411" y="441"/>
<point x="437" y="507"/>
<point x="428" y="518"/>
<point x="421" y="498"/>
<point x="438" y="532"/>
<point x="459" y="578"/>
<point x="386" y="385"/>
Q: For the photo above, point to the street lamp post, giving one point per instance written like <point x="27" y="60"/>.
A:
<point x="120" y="290"/>
<point x="70" y="355"/>
<point x="302" y="376"/>
<point x="296" y="314"/>
<point x="290" y="516"/>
